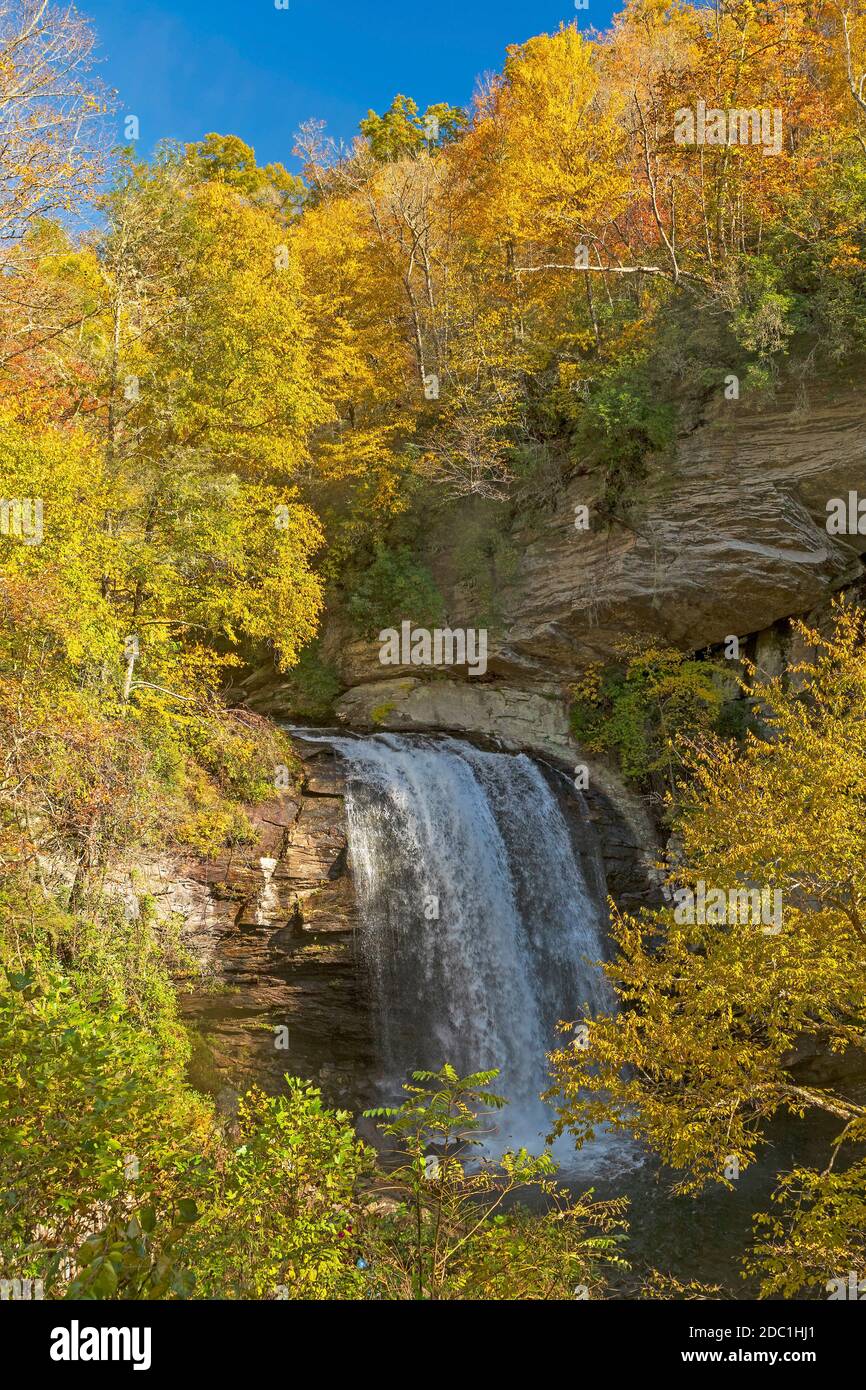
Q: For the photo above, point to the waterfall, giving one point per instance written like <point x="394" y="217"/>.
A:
<point x="479" y="924"/>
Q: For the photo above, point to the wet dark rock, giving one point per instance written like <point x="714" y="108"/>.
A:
<point x="324" y="778"/>
<point x="812" y="1063"/>
<point x="291" y="936"/>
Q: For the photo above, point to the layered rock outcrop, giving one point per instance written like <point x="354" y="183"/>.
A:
<point x="270" y="926"/>
<point x="729" y="537"/>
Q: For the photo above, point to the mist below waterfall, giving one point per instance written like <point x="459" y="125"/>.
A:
<point x="481" y="921"/>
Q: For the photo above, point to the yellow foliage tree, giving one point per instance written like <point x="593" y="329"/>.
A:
<point x="760" y="959"/>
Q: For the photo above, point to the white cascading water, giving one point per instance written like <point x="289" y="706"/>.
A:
<point x="480" y="926"/>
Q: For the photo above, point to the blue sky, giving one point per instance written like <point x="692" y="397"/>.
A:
<point x="242" y="67"/>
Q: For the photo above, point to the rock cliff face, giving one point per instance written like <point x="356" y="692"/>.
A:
<point x="728" y="538"/>
<point x="271" y="926"/>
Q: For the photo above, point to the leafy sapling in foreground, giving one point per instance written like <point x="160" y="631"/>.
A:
<point x="455" y="1228"/>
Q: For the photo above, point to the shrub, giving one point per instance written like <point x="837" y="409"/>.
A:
<point x="396" y="587"/>
<point x="638" y="710"/>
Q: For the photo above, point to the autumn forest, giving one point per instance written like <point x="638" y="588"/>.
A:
<point x="254" y="415"/>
